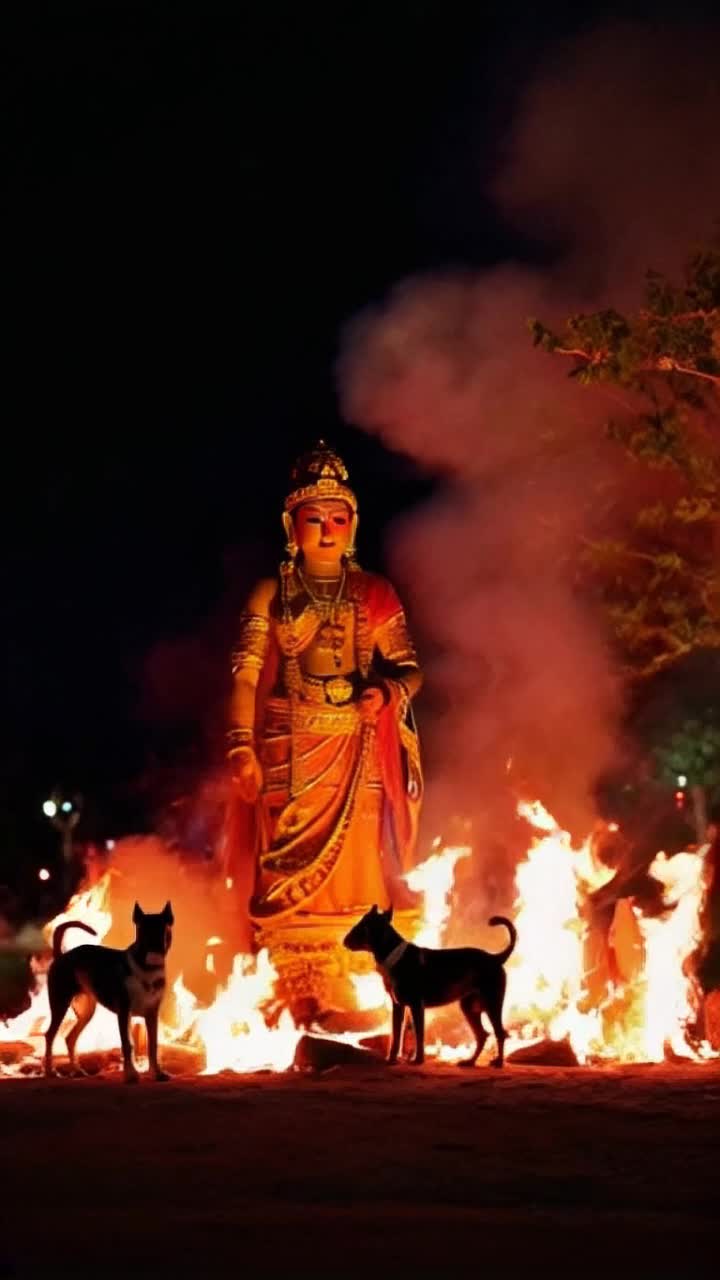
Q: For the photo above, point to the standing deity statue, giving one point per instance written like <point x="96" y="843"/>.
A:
<point x="322" y="745"/>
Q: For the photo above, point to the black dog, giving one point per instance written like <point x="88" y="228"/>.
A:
<point x="418" y="978"/>
<point x="127" y="982"/>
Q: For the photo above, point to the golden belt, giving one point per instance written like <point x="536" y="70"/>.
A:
<point x="335" y="691"/>
<point x="308" y="717"/>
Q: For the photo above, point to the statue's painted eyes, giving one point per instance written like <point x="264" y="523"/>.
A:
<point x="338" y="519"/>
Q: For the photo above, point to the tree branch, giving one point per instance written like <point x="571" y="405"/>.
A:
<point x="667" y="364"/>
<point x="658" y="663"/>
<point x="597" y="358"/>
<point x="663" y="364"/>
<point x="713" y="314"/>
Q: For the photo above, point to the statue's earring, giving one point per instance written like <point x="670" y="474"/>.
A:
<point x="291" y="545"/>
<point x="350" y="549"/>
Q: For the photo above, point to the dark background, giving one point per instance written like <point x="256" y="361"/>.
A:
<point x="198" y="198"/>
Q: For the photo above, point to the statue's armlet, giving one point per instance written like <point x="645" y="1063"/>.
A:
<point x="392" y="638"/>
<point x="251" y="646"/>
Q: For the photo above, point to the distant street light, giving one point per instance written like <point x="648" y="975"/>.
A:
<point x="64" y="815"/>
<point x="43" y="874"/>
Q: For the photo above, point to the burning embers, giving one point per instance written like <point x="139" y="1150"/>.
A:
<point x="617" y="991"/>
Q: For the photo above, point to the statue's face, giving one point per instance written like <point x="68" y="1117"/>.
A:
<point x="323" y="531"/>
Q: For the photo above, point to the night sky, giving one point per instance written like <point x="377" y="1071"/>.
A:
<point x="198" y="199"/>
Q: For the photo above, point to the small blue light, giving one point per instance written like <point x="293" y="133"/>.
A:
<point x="66" y="806"/>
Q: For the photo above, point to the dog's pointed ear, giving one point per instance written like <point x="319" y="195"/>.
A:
<point x="373" y="910"/>
<point x="167" y="912"/>
<point x="138" y="913"/>
<point x="388" y="915"/>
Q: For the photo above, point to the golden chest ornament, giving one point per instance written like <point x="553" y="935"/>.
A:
<point x="338" y="689"/>
<point x="305" y="617"/>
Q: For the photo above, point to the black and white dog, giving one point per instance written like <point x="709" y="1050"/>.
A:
<point x="130" y="982"/>
<point x="419" y="978"/>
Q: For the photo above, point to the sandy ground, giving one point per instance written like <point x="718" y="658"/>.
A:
<point x="580" y="1172"/>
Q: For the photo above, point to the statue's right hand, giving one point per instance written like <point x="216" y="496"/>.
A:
<point x="247" y="773"/>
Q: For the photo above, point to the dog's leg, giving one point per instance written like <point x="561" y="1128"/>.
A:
<point x="494" y="1011"/>
<point x="418" y="1017"/>
<point x="151" y="1022"/>
<point x="84" y="1007"/>
<point x="59" y="997"/>
<point x="472" y="1009"/>
<point x="131" y="1075"/>
<point x="501" y="1037"/>
<point x="398" y="1024"/>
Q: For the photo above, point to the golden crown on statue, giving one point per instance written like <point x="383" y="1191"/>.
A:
<point x="320" y="473"/>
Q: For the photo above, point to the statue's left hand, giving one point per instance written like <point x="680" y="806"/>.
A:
<point x="371" y="703"/>
<point x="247" y="774"/>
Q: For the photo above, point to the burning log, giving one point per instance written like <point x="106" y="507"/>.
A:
<point x="181" y="1059"/>
<point x="336" y="1021"/>
<point x="545" y="1053"/>
<point x="316" y="1053"/>
<point x="376" y="1044"/>
<point x="176" y="1060"/>
<point x="13" y="1052"/>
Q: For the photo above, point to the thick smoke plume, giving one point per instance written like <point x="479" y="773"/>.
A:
<point x="615" y="150"/>
<point x="613" y="161"/>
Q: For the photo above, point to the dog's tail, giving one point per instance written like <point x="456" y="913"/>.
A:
<point x="62" y="929"/>
<point x="502" y="956"/>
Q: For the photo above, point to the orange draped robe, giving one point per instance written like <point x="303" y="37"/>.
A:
<point x="334" y="828"/>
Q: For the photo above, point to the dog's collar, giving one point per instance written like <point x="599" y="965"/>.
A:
<point x="156" y="961"/>
<point x="389" y="963"/>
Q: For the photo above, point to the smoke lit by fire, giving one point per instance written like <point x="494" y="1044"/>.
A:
<point x="607" y="175"/>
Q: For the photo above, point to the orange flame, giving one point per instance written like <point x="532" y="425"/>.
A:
<point x="434" y="879"/>
<point x="639" y="1010"/>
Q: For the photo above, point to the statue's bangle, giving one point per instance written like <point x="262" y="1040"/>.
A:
<point x="238" y="739"/>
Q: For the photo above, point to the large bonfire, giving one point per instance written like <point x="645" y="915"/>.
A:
<point x="641" y="1008"/>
